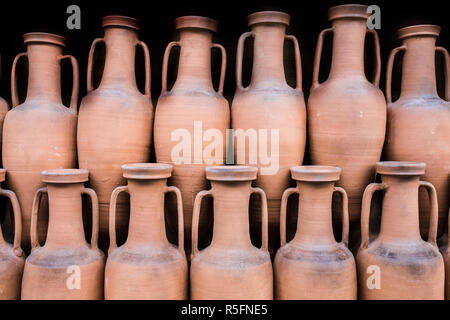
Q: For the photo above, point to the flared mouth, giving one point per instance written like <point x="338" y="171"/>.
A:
<point x="196" y="22"/>
<point x="268" y="17"/>
<point x="354" y="11"/>
<point x="2" y="175"/>
<point x="405" y="168"/>
<point x="421" y="30"/>
<point x="65" y="175"/>
<point x="147" y="171"/>
<point x="231" y="173"/>
<point x="43" y="37"/>
<point x="316" y="173"/>
<point x="121" y="21"/>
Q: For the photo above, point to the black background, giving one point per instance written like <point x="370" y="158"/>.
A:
<point x="308" y="18"/>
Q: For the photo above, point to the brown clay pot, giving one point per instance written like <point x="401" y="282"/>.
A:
<point x="447" y="264"/>
<point x="313" y="265"/>
<point x="3" y="110"/>
<point x="231" y="268"/>
<point x="115" y="121"/>
<point x="12" y="258"/>
<point x="347" y="113"/>
<point x="147" y="266"/>
<point x="418" y="122"/>
<point x="66" y="266"/>
<point x="40" y="133"/>
<point x="398" y="264"/>
<point x="270" y="104"/>
<point x="194" y="115"/>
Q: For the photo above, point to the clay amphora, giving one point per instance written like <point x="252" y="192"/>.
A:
<point x="231" y="268"/>
<point x="3" y="110"/>
<point x="66" y="266"/>
<point x="115" y="121"/>
<point x="418" y="122"/>
<point x="40" y="133"/>
<point x="192" y="118"/>
<point x="269" y="104"/>
<point x="347" y="113"/>
<point x="147" y="266"/>
<point x="12" y="258"/>
<point x="447" y="264"/>
<point x="398" y="264"/>
<point x="313" y="265"/>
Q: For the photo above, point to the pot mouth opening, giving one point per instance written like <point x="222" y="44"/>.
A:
<point x="260" y="17"/>
<point x="196" y="22"/>
<point x="147" y="171"/>
<point x="65" y="175"/>
<point x="404" y="168"/>
<point x="419" y="30"/>
<point x="121" y="21"/>
<point x="316" y="173"/>
<point x="231" y="173"/>
<point x="345" y="11"/>
<point x="2" y="175"/>
<point x="43" y="37"/>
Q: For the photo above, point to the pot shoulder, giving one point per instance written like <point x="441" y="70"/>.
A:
<point x="45" y="257"/>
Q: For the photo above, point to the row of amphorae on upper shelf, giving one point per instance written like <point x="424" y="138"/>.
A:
<point x="347" y="122"/>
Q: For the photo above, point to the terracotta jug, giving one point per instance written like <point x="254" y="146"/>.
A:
<point x="269" y="104"/>
<point x="147" y="266"/>
<point x="418" y="122"/>
<point x="447" y="263"/>
<point x="3" y="110"/>
<point x="313" y="266"/>
<point x="40" y="133"/>
<point x="398" y="264"/>
<point x="12" y="258"/>
<point x="231" y="268"/>
<point x="66" y="266"/>
<point x="347" y="113"/>
<point x="115" y="121"/>
<point x="192" y="118"/>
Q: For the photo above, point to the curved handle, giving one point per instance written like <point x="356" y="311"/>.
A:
<point x="17" y="220"/>
<point x="239" y="57"/>
<point x="195" y="220"/>
<point x="377" y="73"/>
<point x="34" y="218"/>
<point x="180" y="217"/>
<point x="446" y="71"/>
<point x="345" y="217"/>
<point x="165" y="64"/>
<point x="284" y="200"/>
<point x="365" y="211"/>
<point x="112" y="217"/>
<point x="389" y="67"/>
<point x="434" y="213"/>
<point x="90" y="85"/>
<point x="318" y="55"/>
<point x="264" y="218"/>
<point x="95" y="216"/>
<point x="223" y="68"/>
<point x="148" y="77"/>
<point x="14" y="94"/>
<point x="298" y="62"/>
<point x="75" y="81"/>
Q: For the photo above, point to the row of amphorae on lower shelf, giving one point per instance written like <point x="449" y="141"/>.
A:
<point x="398" y="264"/>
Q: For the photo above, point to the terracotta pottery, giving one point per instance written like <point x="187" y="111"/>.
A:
<point x="147" y="266"/>
<point x="192" y="118"/>
<point x="12" y="258"/>
<point x="347" y="113"/>
<point x="3" y="110"/>
<point x="398" y="264"/>
<point x="418" y="122"/>
<point x="115" y="121"/>
<point x="231" y="268"/>
<point x="447" y="264"/>
<point x="66" y="266"/>
<point x="271" y="105"/>
<point x="313" y="265"/>
<point x="41" y="132"/>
